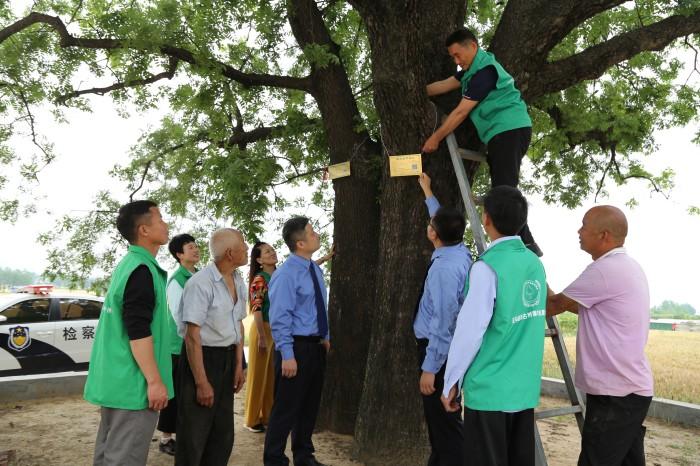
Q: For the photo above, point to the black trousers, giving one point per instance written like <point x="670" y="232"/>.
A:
<point x="296" y="404"/>
<point x="205" y="435"/>
<point x="613" y="433"/>
<point x="496" y="438"/>
<point x="167" y="419"/>
<point x="505" y="152"/>
<point x="444" y="429"/>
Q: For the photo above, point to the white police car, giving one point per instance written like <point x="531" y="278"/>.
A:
<point x="46" y="332"/>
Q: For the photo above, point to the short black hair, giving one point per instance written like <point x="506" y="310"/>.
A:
<point x="461" y="36"/>
<point x="507" y="208"/>
<point x="132" y="215"/>
<point x="177" y="244"/>
<point x="293" y="231"/>
<point x="449" y="225"/>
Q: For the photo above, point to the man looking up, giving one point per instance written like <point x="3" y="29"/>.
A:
<point x="130" y="374"/>
<point x="611" y="298"/>
<point x="493" y="103"/>
<point x="299" y="322"/>
<point x="434" y="323"/>
<point x="186" y="252"/>
<point x="498" y="344"/>
<point x="211" y="370"/>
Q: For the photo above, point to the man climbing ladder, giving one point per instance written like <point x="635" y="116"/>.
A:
<point x="494" y="105"/>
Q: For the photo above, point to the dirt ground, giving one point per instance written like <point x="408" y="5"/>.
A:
<point x="61" y="431"/>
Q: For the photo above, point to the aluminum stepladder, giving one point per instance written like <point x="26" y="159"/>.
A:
<point x="577" y="407"/>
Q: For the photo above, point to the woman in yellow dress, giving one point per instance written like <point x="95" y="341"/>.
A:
<point x="261" y="351"/>
<point x="261" y="375"/>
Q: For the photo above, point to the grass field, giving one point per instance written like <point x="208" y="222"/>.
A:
<point x="674" y="358"/>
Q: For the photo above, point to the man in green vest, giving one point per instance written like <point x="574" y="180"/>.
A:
<point x="496" y="352"/>
<point x="493" y="103"/>
<point x="130" y="374"/>
<point x="186" y="252"/>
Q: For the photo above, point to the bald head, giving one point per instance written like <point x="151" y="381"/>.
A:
<point x="604" y="228"/>
<point x="611" y="219"/>
<point x="222" y="240"/>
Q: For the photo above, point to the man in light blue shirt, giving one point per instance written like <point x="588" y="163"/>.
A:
<point x="434" y="324"/>
<point x="299" y="323"/>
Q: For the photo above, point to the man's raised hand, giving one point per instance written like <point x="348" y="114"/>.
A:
<point x="424" y="182"/>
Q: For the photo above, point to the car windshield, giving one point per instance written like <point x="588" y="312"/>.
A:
<point x="6" y="299"/>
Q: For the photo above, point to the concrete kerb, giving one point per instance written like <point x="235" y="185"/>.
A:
<point x="41" y="386"/>
<point x="71" y="383"/>
<point x="679" y="412"/>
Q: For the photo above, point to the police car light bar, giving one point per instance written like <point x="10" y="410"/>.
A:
<point x="38" y="289"/>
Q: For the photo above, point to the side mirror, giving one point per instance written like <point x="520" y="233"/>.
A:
<point x="3" y="318"/>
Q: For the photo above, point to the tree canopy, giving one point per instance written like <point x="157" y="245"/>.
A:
<point x="242" y="118"/>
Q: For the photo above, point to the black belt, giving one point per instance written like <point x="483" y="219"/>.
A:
<point x="307" y="338"/>
<point x="219" y="348"/>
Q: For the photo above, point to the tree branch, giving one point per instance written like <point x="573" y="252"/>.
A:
<point x="150" y="162"/>
<point x="555" y="21"/>
<point x="30" y="116"/>
<point x="594" y="61"/>
<point x="613" y="163"/>
<point x="243" y="138"/>
<point x="330" y="84"/>
<point x="167" y="74"/>
<point x="695" y="60"/>
<point x="300" y="175"/>
<point x="577" y="137"/>
<point x="143" y="179"/>
<point x="67" y="40"/>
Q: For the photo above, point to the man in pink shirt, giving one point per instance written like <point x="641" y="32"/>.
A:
<point x="611" y="298"/>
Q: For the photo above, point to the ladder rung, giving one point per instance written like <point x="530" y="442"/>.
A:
<point x="550" y="332"/>
<point x="557" y="412"/>
<point x="471" y="155"/>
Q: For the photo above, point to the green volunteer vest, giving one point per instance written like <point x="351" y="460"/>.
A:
<point x="114" y="379"/>
<point x="180" y="276"/>
<point x="503" y="109"/>
<point x="506" y="372"/>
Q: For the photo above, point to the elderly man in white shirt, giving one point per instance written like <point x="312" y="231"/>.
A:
<point x="209" y="319"/>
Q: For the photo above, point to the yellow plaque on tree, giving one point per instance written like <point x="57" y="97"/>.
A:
<point x="405" y="165"/>
<point x="339" y="170"/>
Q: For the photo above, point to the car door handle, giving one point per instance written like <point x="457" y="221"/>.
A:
<point x="44" y="333"/>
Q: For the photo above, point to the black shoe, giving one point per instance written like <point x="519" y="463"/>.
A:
<point x="310" y="462"/>
<point x="257" y="428"/>
<point x="168" y="447"/>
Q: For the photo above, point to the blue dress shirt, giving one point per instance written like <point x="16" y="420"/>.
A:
<point x="442" y="299"/>
<point x="293" y="303"/>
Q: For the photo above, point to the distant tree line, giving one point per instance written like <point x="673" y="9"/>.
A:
<point x="16" y="277"/>
<point x="666" y="310"/>
<point x="673" y="310"/>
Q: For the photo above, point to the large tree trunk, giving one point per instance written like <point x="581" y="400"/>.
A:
<point x="407" y="53"/>
<point x="353" y="281"/>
